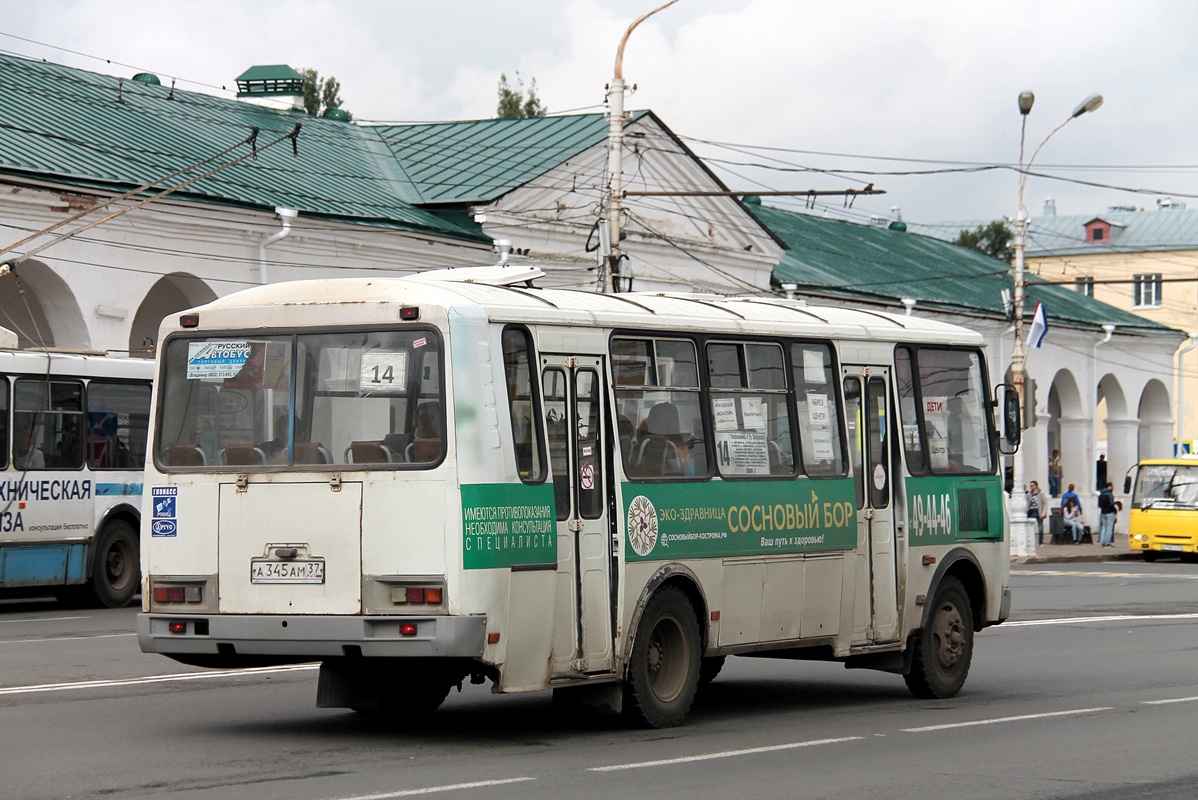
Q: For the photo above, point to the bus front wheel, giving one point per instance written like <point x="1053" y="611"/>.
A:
<point x="1150" y="555"/>
<point x="943" y="650"/>
<point x="663" y="671"/>
<point x="116" y="571"/>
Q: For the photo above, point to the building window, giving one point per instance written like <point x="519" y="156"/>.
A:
<point x="1147" y="290"/>
<point x="1084" y="286"/>
<point x="1096" y="234"/>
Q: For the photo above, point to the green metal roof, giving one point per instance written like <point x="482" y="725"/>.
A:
<point x="847" y="260"/>
<point x="478" y="161"/>
<point x="85" y="129"/>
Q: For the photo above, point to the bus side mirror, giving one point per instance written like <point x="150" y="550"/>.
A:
<point x="1012" y="422"/>
<point x="1127" y="484"/>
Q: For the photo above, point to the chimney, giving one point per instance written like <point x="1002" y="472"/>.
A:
<point x="274" y="86"/>
<point x="1050" y="207"/>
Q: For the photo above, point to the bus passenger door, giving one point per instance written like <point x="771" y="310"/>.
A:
<point x="574" y="419"/>
<point x="867" y="406"/>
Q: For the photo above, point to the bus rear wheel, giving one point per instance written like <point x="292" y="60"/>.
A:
<point x="116" y="571"/>
<point x="943" y="650"/>
<point x="663" y="671"/>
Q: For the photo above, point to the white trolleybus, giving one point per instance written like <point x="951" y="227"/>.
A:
<point x="72" y="448"/>
<point x="415" y="481"/>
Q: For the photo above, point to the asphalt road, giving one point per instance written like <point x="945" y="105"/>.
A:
<point x="1089" y="691"/>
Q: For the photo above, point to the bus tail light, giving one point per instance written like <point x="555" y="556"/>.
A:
<point x="407" y="629"/>
<point x="178" y="594"/>
<point x="417" y="595"/>
<point x="177" y="627"/>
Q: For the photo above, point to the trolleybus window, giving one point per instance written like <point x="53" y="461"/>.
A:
<point x="657" y="392"/>
<point x="3" y="423"/>
<point x="818" y="406"/>
<point x="118" y="415"/>
<point x="371" y="397"/>
<point x="750" y="419"/>
<point x="48" y="416"/>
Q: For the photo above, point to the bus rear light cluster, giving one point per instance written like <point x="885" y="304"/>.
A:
<point x="417" y="595"/>
<point x="178" y="594"/>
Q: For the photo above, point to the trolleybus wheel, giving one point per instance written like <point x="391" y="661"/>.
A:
<point x="116" y="572"/>
<point x="663" y="672"/>
<point x="709" y="668"/>
<point x="943" y="650"/>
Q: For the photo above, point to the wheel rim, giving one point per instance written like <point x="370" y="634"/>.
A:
<point x="666" y="659"/>
<point x="948" y="634"/>
<point x="117" y="561"/>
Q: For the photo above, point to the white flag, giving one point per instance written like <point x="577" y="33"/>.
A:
<point x="1039" y="327"/>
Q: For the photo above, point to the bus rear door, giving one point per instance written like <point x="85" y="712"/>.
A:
<point x="574" y="418"/>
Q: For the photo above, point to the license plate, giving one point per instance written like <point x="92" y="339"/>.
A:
<point x="265" y="570"/>
<point x="1172" y="548"/>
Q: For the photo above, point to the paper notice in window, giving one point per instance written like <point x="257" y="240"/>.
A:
<point x="813" y="367"/>
<point x="817" y="410"/>
<point x="752" y="412"/>
<point x="723" y="409"/>
<point x="821" y="444"/>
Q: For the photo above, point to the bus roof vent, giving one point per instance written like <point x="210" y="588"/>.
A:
<point x="8" y="339"/>
<point x="498" y="275"/>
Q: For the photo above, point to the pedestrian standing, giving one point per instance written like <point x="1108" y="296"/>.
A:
<point x="1033" y="510"/>
<point x="1107" y="514"/>
<point x="1054" y="474"/>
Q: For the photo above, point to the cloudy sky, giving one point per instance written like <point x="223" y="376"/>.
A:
<point x="777" y="94"/>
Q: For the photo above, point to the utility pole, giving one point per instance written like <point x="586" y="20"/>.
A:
<point x="615" y="161"/>
<point x="1021" y="531"/>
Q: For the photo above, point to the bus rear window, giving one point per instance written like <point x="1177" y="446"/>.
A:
<point x="368" y="399"/>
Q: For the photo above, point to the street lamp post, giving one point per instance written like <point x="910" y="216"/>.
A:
<point x="1022" y="542"/>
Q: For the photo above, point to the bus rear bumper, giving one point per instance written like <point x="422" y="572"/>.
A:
<point x="216" y="636"/>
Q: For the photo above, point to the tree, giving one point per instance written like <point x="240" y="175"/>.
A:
<point x="514" y="104"/>
<point x="321" y="95"/>
<point x="994" y="240"/>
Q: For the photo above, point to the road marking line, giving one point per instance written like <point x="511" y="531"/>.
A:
<point x="1166" y="702"/>
<point x="1188" y="576"/>
<point x="179" y="676"/>
<point x="996" y="720"/>
<point x="66" y="638"/>
<point x="1076" y="620"/>
<point x="40" y="619"/>
<point x="724" y="754"/>
<point x="452" y="787"/>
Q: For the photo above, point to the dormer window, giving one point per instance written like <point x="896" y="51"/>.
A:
<point x="1098" y="231"/>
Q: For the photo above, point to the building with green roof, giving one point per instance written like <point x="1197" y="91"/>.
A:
<point x="1102" y="375"/>
<point x="327" y="198"/>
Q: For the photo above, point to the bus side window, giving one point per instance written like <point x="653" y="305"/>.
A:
<point x="522" y="406"/>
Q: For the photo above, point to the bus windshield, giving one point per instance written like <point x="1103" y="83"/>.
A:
<point x="307" y="400"/>
<point x="1175" y="485"/>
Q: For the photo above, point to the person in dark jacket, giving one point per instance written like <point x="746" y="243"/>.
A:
<point x="1107" y="514"/>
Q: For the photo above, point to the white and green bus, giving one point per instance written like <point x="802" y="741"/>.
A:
<point x="72" y="446"/>
<point x="416" y="481"/>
